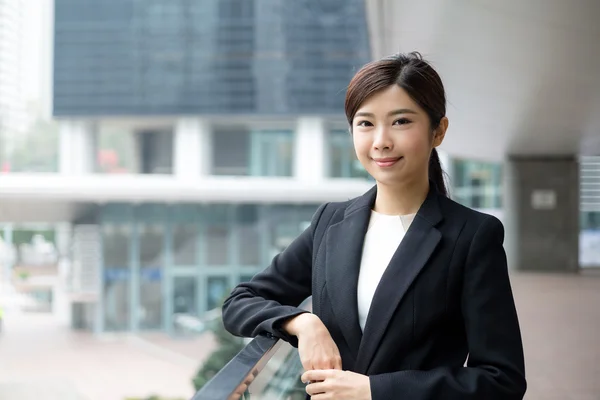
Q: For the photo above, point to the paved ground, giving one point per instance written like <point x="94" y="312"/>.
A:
<point x="560" y="319"/>
<point x="39" y="357"/>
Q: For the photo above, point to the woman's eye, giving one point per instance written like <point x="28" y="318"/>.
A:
<point x="401" y="121"/>
<point x="364" y="123"/>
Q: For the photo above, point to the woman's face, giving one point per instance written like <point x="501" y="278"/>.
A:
<point x="393" y="137"/>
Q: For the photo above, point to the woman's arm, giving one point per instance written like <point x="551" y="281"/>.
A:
<point x="273" y="296"/>
<point x="495" y="368"/>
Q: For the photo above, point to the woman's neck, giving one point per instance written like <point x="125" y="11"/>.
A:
<point x="401" y="199"/>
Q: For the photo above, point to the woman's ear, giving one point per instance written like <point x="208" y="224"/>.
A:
<point x="440" y="132"/>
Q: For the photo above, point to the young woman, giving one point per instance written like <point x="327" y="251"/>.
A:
<point x="410" y="290"/>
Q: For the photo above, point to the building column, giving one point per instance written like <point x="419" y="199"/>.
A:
<point x="541" y="213"/>
<point x="77" y="147"/>
<point x="61" y="302"/>
<point x="192" y="148"/>
<point x="309" y="149"/>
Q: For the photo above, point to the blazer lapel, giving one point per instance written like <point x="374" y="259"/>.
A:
<point x="412" y="254"/>
<point x="344" y="244"/>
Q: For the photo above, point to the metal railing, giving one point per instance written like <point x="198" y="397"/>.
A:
<point x="266" y="369"/>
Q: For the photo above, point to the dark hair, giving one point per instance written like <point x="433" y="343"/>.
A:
<point x="422" y="83"/>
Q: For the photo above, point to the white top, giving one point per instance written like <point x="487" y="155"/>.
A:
<point x="384" y="235"/>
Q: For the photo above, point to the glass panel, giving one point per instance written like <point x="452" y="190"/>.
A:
<point x="152" y="258"/>
<point x="150" y="311"/>
<point x="336" y="160"/>
<point x="249" y="235"/>
<point x="273" y="153"/>
<point x="280" y="378"/>
<point x="342" y="157"/>
<point x="249" y="240"/>
<point x="285" y="156"/>
<point x="217" y="245"/>
<point x="185" y="295"/>
<point x="151" y="241"/>
<point x="230" y="153"/>
<point x="217" y="290"/>
<point x="116" y="241"/>
<point x="156" y="152"/>
<point x="185" y="245"/>
<point x="116" y="151"/>
<point x="477" y="184"/>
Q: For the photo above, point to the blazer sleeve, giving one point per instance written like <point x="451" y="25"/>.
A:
<point x="262" y="305"/>
<point x="495" y="367"/>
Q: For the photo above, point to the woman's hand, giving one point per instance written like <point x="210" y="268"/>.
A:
<point x="333" y="384"/>
<point x="316" y="348"/>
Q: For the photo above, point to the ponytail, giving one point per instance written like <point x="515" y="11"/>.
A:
<point x="436" y="173"/>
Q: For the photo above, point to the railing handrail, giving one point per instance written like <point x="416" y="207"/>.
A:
<point x="250" y="361"/>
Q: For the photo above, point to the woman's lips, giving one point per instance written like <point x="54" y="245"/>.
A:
<point x="387" y="161"/>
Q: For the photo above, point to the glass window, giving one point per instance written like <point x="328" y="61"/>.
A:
<point x="116" y="241"/>
<point x="230" y="152"/>
<point x="249" y="235"/>
<point x="342" y="157"/>
<point x="151" y="245"/>
<point x="151" y="300"/>
<point x="185" y="295"/>
<point x="217" y="245"/>
<point x="155" y="152"/>
<point x="116" y="151"/>
<point x="217" y="290"/>
<point x="272" y="153"/>
<point x="185" y="245"/>
<point x="477" y="184"/>
<point x="151" y="242"/>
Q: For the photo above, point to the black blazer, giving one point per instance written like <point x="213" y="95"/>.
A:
<point x="445" y="295"/>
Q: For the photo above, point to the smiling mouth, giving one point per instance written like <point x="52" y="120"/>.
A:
<point x="386" y="162"/>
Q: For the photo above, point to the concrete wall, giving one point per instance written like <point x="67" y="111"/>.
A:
<point x="541" y="209"/>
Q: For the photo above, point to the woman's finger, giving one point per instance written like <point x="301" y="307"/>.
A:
<point x="316" y="388"/>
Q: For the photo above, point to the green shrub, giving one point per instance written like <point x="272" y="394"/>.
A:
<point x="229" y="346"/>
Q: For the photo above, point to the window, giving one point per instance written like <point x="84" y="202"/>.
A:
<point x="342" y="157"/>
<point x="217" y="245"/>
<point x="230" y="152"/>
<point x="151" y="244"/>
<point x="184" y="295"/>
<point x="116" y="241"/>
<point x="185" y="245"/>
<point x="155" y="152"/>
<point x="116" y="151"/>
<point x="241" y="151"/>
<point x="272" y="153"/>
<point x="249" y="235"/>
<point x="217" y="290"/>
<point x="477" y="184"/>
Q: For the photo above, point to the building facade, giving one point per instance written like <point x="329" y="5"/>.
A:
<point x="226" y="117"/>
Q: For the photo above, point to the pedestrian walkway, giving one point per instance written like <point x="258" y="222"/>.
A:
<point x="560" y="321"/>
<point x="39" y="356"/>
<point x="38" y="390"/>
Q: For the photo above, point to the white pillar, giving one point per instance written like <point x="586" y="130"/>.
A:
<point x="77" y="147"/>
<point x="192" y="148"/>
<point x="309" y="157"/>
<point x="61" y="302"/>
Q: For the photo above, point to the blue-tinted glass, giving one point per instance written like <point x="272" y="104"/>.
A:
<point x="131" y="57"/>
